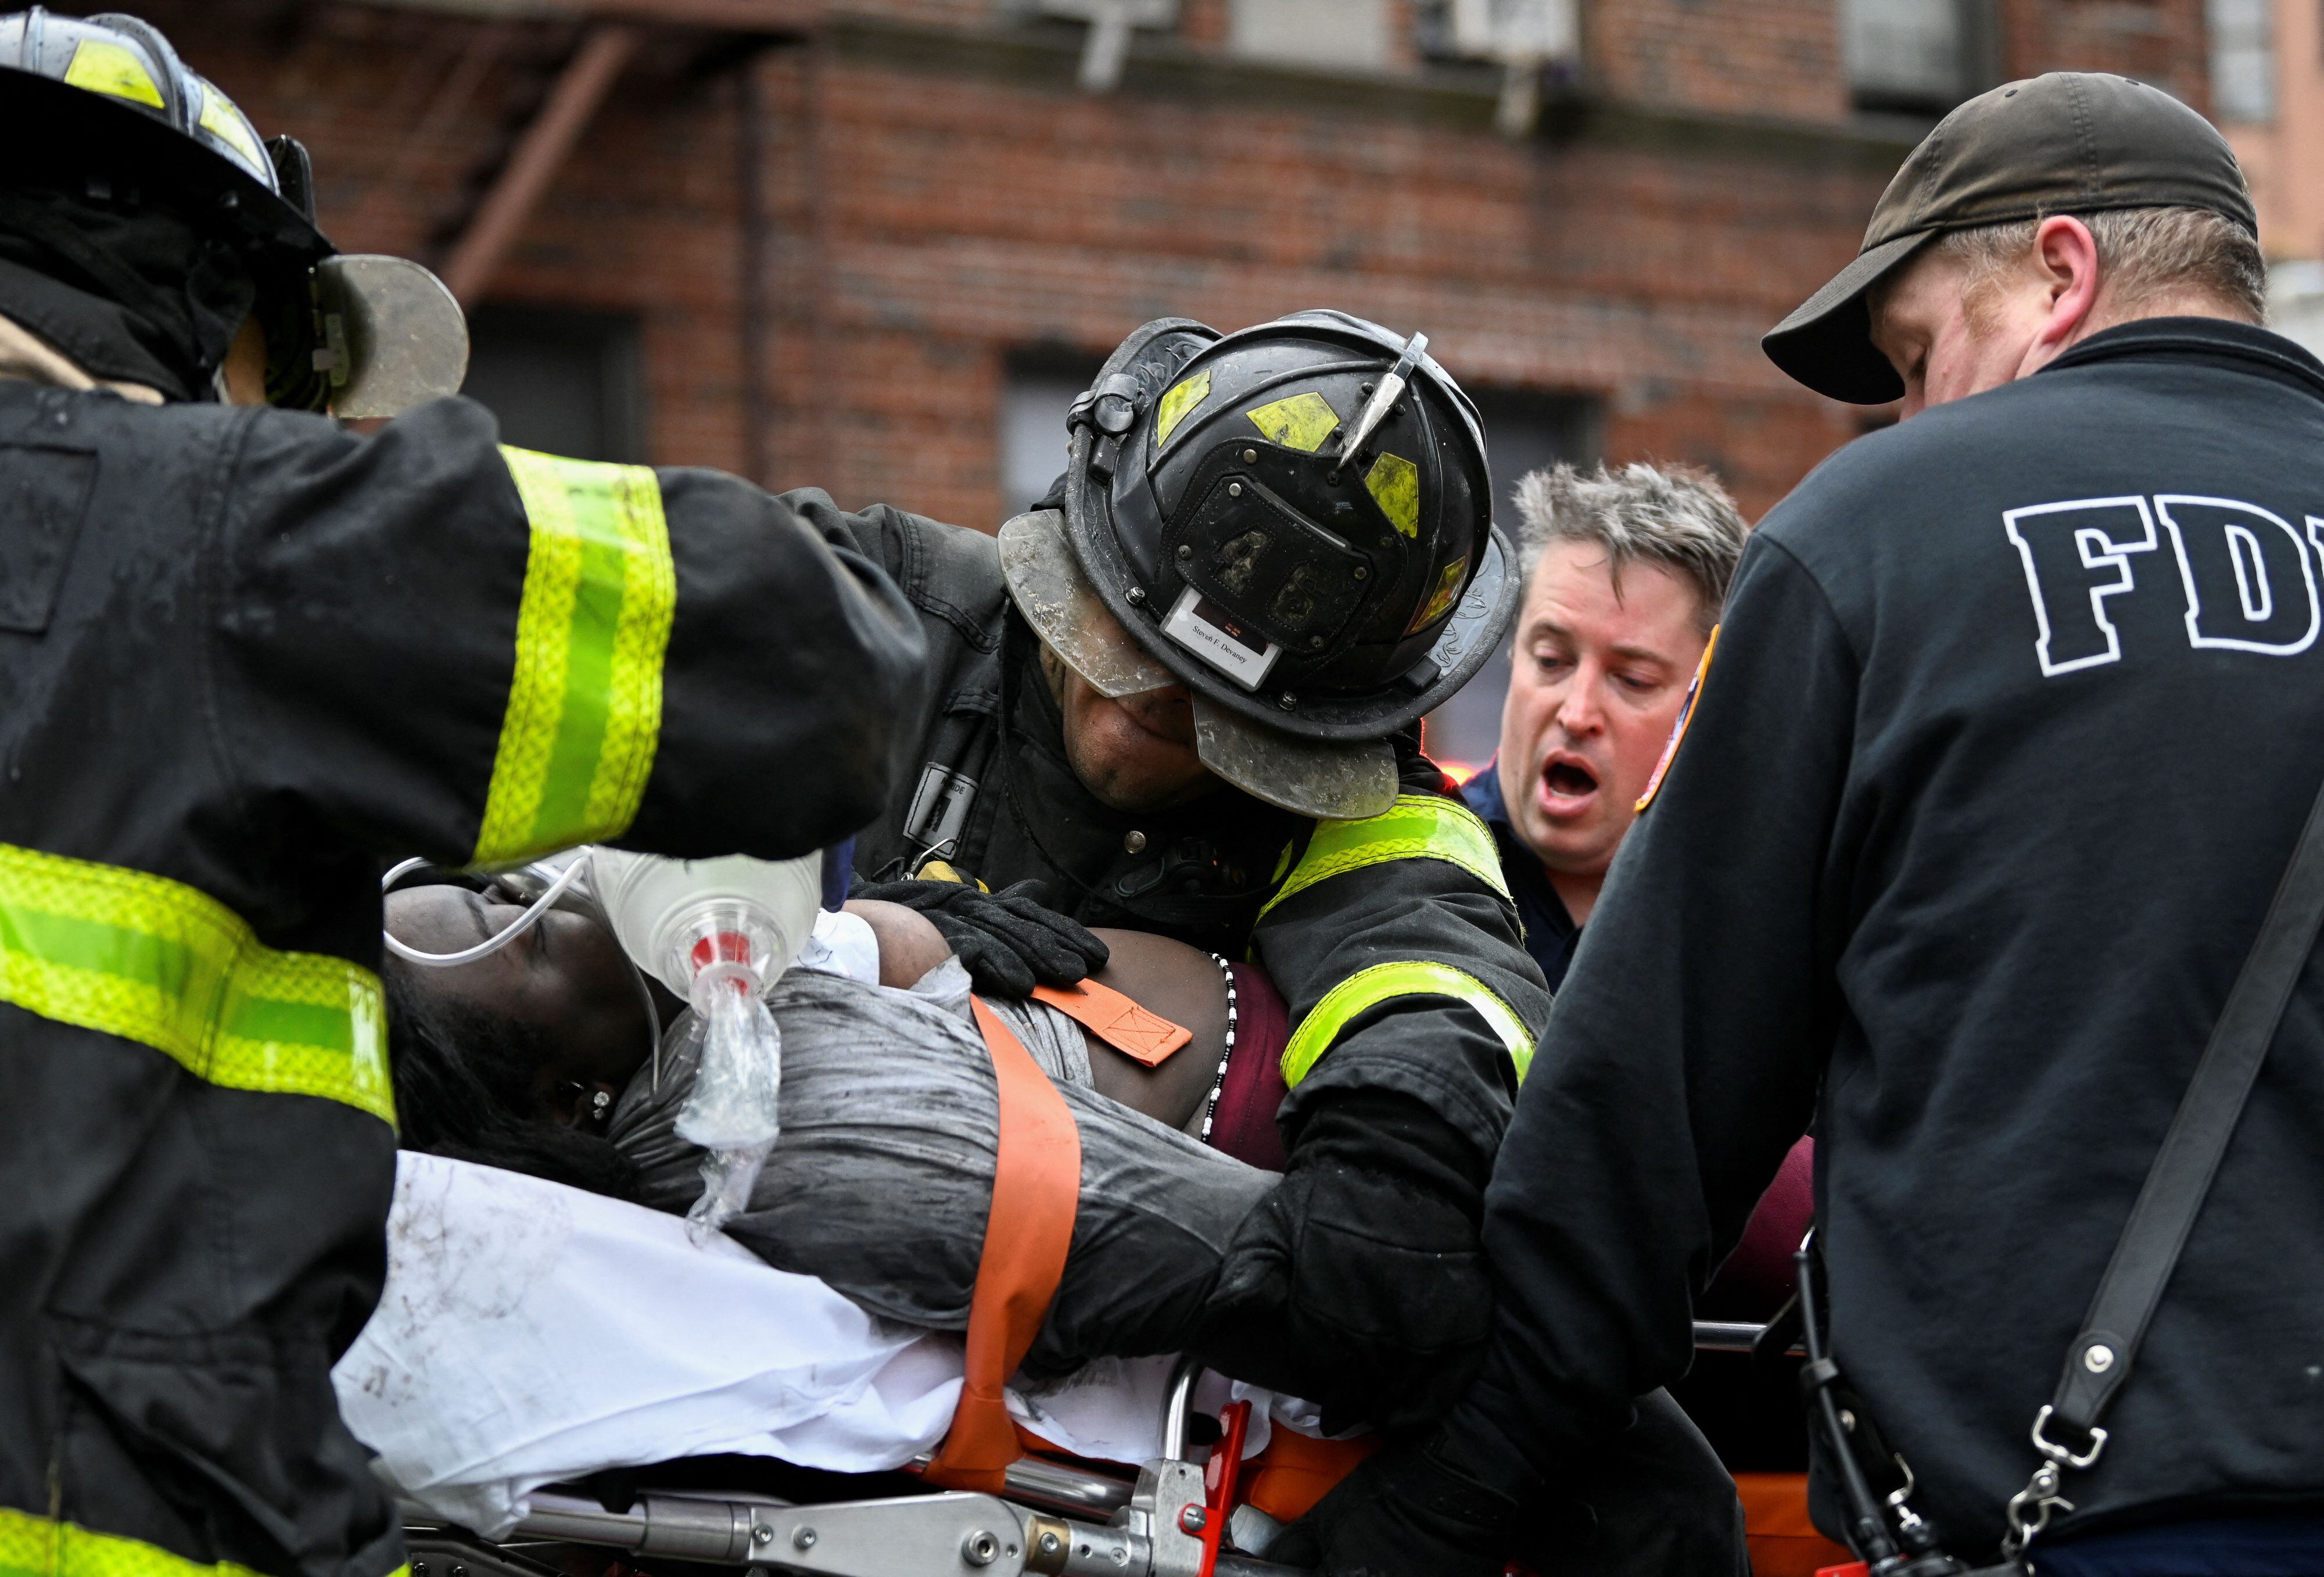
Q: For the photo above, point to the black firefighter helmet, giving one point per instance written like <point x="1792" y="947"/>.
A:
<point x="1295" y="522"/>
<point x="107" y="99"/>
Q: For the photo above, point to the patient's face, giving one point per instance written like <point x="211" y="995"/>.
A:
<point x="565" y="978"/>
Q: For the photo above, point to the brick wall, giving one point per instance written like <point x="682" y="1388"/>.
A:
<point x="964" y="217"/>
<point x="2163" y="41"/>
<point x="1773" y="57"/>
<point x="940" y="196"/>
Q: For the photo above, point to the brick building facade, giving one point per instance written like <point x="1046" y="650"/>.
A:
<point x="948" y="232"/>
<point x="941" y="203"/>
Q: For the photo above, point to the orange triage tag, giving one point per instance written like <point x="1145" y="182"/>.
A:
<point x="1115" y="1019"/>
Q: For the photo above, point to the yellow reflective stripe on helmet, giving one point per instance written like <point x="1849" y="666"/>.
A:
<point x="1302" y="422"/>
<point x="1368" y="988"/>
<point x="102" y="66"/>
<point x="1418" y="827"/>
<point x="1394" y="483"/>
<point x="1178" y="404"/>
<point x="35" y="1546"/>
<point x="222" y="120"/>
<point x="584" y="706"/>
<point x="157" y="962"/>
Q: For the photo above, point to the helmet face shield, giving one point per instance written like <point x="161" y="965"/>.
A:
<point x="394" y="336"/>
<point x="1306" y="776"/>
<point x="1048" y="587"/>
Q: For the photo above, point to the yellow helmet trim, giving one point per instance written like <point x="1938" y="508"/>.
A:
<point x="102" y="66"/>
<point x="223" y="121"/>
<point x="1179" y="404"/>
<point x="1302" y="422"/>
<point x="1394" y="483"/>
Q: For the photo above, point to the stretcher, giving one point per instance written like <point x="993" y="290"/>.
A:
<point x="1177" y="1517"/>
<point x="815" y="1384"/>
<point x="532" y="1337"/>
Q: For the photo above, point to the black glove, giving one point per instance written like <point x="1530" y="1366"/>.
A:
<point x="1359" y="1283"/>
<point x="1009" y="941"/>
<point x="1403" y="1513"/>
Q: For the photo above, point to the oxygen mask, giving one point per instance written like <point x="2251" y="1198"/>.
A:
<point x="718" y="933"/>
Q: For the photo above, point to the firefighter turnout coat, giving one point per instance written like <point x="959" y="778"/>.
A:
<point x="244" y="658"/>
<point x="1393" y="939"/>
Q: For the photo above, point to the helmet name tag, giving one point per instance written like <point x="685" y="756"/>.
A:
<point x="1210" y="633"/>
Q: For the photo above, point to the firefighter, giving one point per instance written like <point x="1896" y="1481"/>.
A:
<point x="244" y="654"/>
<point x="1184" y="701"/>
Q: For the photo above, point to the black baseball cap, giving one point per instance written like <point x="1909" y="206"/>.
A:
<point x="2063" y="142"/>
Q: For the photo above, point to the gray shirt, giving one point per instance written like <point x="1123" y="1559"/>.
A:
<point x="881" y="1181"/>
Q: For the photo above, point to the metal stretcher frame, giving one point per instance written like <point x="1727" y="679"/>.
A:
<point x="1053" y="1520"/>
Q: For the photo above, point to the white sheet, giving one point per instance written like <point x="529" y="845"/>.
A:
<point x="531" y="1332"/>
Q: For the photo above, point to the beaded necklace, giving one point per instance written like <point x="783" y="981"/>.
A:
<point x="1219" y="1082"/>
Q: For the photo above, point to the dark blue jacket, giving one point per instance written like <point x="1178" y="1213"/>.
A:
<point x="1550" y="934"/>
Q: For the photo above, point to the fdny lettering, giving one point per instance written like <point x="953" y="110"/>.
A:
<point x="2248" y="575"/>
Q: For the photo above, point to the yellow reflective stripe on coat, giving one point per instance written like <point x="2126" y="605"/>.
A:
<point x="585" y="707"/>
<point x="157" y="962"/>
<point x="35" y="1546"/>
<point x="1368" y="988"/>
<point x="1418" y="827"/>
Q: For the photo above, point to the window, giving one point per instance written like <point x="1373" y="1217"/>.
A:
<point x="1330" y="34"/>
<point x="1531" y="40"/>
<point x="1040" y="388"/>
<point x="1106" y="45"/>
<point x="560" y="381"/>
<point x="1918" y="57"/>
<point x="2243" y="60"/>
<point x="2295" y="301"/>
<point x="1532" y="30"/>
<point x="1524" y="432"/>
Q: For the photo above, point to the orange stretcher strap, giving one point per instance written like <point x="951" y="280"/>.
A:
<point x="1036" y="1184"/>
<point x="1114" y="1018"/>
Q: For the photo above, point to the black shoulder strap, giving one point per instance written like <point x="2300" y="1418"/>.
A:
<point x="2100" y="1359"/>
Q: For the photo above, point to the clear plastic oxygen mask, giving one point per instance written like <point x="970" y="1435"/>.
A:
<point x="718" y="933"/>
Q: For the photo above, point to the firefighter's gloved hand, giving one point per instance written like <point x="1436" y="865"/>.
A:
<point x="1009" y="941"/>
<point x="1359" y="1283"/>
<point x="1405" y="1512"/>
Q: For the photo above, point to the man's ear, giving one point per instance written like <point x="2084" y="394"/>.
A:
<point x="2066" y="255"/>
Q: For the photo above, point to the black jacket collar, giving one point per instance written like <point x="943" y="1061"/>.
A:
<point x="2217" y="342"/>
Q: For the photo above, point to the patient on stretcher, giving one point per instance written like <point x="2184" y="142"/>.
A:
<point x="535" y="1059"/>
